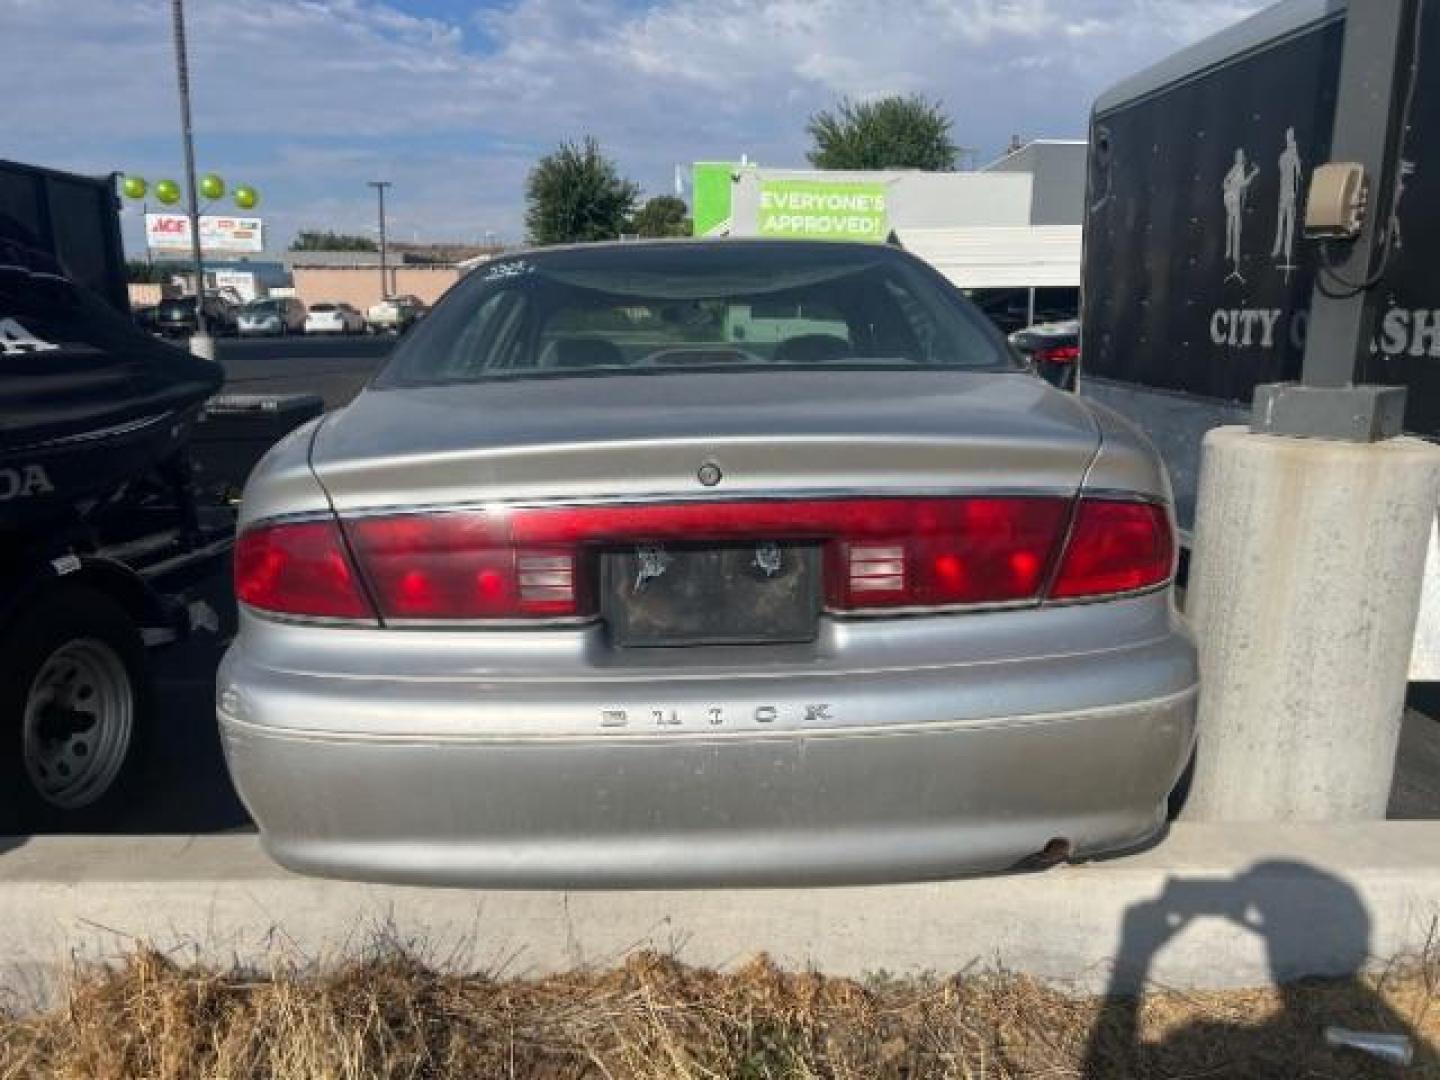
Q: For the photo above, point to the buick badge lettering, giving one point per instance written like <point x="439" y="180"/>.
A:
<point x="23" y="482"/>
<point x="710" y="717"/>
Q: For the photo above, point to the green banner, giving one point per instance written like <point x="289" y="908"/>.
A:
<point x="823" y="210"/>
<point x="710" y="197"/>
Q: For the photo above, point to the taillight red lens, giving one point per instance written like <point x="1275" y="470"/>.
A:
<point x="542" y="562"/>
<point x="298" y="568"/>
<point x="1115" y="547"/>
<point x="463" y="566"/>
<point x="941" y="552"/>
<point x="1060" y="354"/>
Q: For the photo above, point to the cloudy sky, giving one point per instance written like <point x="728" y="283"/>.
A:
<point x="453" y="100"/>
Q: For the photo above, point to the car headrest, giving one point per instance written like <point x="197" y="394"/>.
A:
<point x="587" y="352"/>
<point x="811" y="349"/>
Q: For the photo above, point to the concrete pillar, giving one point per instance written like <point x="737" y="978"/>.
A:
<point x="1303" y="595"/>
<point x="203" y="345"/>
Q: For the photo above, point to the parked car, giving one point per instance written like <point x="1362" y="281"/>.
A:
<point x="146" y="319"/>
<point x="394" y="315"/>
<point x="590" y="588"/>
<point x="274" y="315"/>
<point x="176" y="317"/>
<point x="333" y="319"/>
<point x="1053" y="349"/>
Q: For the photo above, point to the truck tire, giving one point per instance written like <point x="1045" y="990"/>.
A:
<point x="75" y="700"/>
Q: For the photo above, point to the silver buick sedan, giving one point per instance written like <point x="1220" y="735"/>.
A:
<point x="727" y="562"/>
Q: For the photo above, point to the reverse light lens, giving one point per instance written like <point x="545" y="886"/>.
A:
<point x="298" y="568"/>
<point x="1115" y="547"/>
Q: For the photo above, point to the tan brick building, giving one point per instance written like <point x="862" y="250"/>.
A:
<point x="359" y="286"/>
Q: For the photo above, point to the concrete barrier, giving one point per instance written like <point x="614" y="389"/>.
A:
<point x="1212" y="906"/>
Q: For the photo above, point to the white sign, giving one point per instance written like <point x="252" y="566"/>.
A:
<point x="171" y="232"/>
<point x="240" y="282"/>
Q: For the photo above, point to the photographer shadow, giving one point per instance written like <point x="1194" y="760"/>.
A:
<point x="1316" y="932"/>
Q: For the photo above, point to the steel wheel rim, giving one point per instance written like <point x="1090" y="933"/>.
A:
<point x="78" y="723"/>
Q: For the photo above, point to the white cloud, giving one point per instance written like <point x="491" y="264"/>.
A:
<point x="311" y="97"/>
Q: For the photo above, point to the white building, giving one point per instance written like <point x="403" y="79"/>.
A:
<point x="1007" y="234"/>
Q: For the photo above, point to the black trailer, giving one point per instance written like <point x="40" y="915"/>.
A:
<point x="100" y="529"/>
<point x="1196" y="281"/>
<point x="75" y="219"/>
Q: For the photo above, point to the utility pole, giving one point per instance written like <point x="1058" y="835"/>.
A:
<point x="380" y="186"/>
<point x="202" y="343"/>
<point x="1312" y="525"/>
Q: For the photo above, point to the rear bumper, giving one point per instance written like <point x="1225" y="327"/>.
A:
<point x="880" y="805"/>
<point x="508" y="779"/>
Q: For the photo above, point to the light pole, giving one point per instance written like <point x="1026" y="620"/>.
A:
<point x="380" y="186"/>
<point x="202" y="343"/>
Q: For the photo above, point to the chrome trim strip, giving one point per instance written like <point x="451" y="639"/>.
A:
<point x="309" y="620"/>
<point x="710" y="495"/>
<point x="1101" y="598"/>
<point x="560" y="622"/>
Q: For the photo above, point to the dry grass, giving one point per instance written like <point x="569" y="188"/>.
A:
<point x="391" y="1016"/>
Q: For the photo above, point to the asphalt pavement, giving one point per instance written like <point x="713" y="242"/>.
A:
<point x="187" y="788"/>
<point x="334" y="367"/>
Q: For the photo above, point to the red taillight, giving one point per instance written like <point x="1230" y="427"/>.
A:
<point x="463" y="566"/>
<point x="542" y="562"/>
<point x="1060" y="354"/>
<point x="298" y="568"/>
<point x="941" y="552"/>
<point x="1115" y="547"/>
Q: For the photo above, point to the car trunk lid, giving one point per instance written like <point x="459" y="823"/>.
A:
<point x="619" y="437"/>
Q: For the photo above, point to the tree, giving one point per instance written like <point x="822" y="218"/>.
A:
<point x="138" y="271"/>
<point x="577" y="194"/>
<point x="325" y="240"/>
<point x="663" y="215"/>
<point x="888" y="133"/>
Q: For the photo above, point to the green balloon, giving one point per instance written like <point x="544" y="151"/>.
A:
<point x="167" y="191"/>
<point x="246" y="197"/>
<point x="211" y="186"/>
<point x="133" y="187"/>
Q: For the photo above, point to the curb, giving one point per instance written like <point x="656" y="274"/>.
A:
<point x="1213" y="906"/>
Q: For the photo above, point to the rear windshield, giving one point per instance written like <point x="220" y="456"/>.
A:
<point x="263" y="307"/>
<point x="720" y="305"/>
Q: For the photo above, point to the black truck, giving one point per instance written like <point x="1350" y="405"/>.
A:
<point x="1196" y="281"/>
<point x="100" y="527"/>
